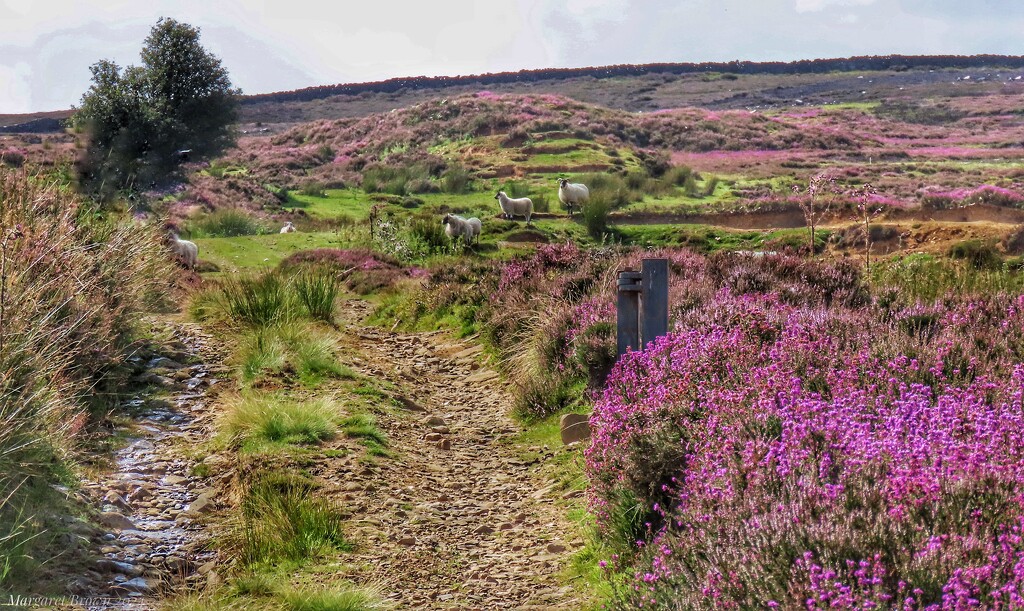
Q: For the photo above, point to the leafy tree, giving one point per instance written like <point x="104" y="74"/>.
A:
<point x="139" y="118"/>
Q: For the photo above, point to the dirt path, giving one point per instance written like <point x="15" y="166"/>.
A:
<point x="458" y="519"/>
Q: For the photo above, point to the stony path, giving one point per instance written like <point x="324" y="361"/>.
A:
<point x="151" y="498"/>
<point x="457" y="520"/>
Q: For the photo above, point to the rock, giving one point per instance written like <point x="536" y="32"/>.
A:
<point x="203" y="504"/>
<point x="178" y="566"/>
<point x="138" y="584"/>
<point x="174" y="480"/>
<point x="407" y="541"/>
<point x="444" y="444"/>
<point x="108" y="565"/>
<point x="162" y="362"/>
<point x="555" y="548"/>
<point x="574" y="427"/>
<point x="481" y="376"/>
<point x="113" y="498"/>
<point x="115" y="521"/>
<point x="433" y="421"/>
<point x="409" y="404"/>
<point x="433" y="437"/>
<point x="483" y="529"/>
<point x="206" y="568"/>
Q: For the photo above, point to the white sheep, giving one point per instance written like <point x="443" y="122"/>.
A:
<point x="288" y="228"/>
<point x="522" y="206"/>
<point x="187" y="252"/>
<point x="467" y="229"/>
<point x="572" y="194"/>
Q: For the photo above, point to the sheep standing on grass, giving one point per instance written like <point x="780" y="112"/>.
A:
<point x="288" y="228"/>
<point x="467" y="229"/>
<point x="187" y="252"/>
<point x="572" y="194"/>
<point x="522" y="206"/>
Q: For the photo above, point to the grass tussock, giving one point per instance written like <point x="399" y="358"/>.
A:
<point x="226" y="223"/>
<point x="256" y="421"/>
<point x="282" y="520"/>
<point x="290" y="349"/>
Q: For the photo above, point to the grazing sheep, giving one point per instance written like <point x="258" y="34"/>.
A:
<point x="467" y="229"/>
<point x="288" y="228"/>
<point x="187" y="252"/>
<point x="522" y="206"/>
<point x="572" y="194"/>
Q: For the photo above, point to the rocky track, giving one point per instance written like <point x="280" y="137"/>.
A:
<point x="151" y="499"/>
<point x="458" y="519"/>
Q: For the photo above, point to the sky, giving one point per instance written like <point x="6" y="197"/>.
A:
<point x="47" y="46"/>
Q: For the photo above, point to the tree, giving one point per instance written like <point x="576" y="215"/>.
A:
<point x="138" y="119"/>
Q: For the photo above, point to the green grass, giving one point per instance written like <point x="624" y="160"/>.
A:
<point x="226" y="223"/>
<point x="291" y="349"/>
<point x="318" y="291"/>
<point x="283" y="521"/>
<point x="364" y="427"/>
<point x="330" y="600"/>
<point x="258" y="421"/>
<point x="264" y="251"/>
<point x="335" y="203"/>
<point x="269" y="590"/>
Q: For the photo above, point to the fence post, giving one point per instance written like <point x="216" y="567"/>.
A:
<point x="654" y="299"/>
<point x="628" y="312"/>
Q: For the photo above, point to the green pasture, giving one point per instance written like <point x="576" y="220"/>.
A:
<point x="254" y="251"/>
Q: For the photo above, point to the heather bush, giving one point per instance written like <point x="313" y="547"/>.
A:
<point x="362" y="271"/>
<point x="817" y="452"/>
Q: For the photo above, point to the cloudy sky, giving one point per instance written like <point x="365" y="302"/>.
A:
<point x="47" y="46"/>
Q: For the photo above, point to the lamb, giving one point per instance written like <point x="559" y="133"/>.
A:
<point x="522" y="206"/>
<point x="572" y="194"/>
<point x="187" y="252"/>
<point x="288" y="228"/>
<point x="467" y="229"/>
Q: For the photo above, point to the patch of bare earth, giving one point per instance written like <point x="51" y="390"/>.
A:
<point x="456" y="519"/>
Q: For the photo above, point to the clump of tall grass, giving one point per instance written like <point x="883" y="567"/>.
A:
<point x="260" y="419"/>
<point x="71" y="289"/>
<point x="291" y="347"/>
<point x="226" y="223"/>
<point x="258" y="301"/>
<point x="317" y="290"/>
<point x="595" y="215"/>
<point x="282" y="520"/>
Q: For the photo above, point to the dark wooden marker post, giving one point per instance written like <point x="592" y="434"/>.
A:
<point x="628" y="327"/>
<point x="642" y="305"/>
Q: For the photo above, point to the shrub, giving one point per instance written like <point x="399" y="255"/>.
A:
<point x="72" y="288"/>
<point x="312" y="188"/>
<point x="595" y="216"/>
<point x="677" y="175"/>
<point x="978" y="254"/>
<point x="456" y="180"/>
<point x="226" y="223"/>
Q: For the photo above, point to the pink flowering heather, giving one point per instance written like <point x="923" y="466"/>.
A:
<point x="792" y="455"/>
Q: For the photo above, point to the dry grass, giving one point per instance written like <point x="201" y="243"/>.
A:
<point x="71" y="288"/>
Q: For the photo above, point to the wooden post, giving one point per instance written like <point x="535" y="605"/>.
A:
<point x="628" y="323"/>
<point x="654" y="298"/>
